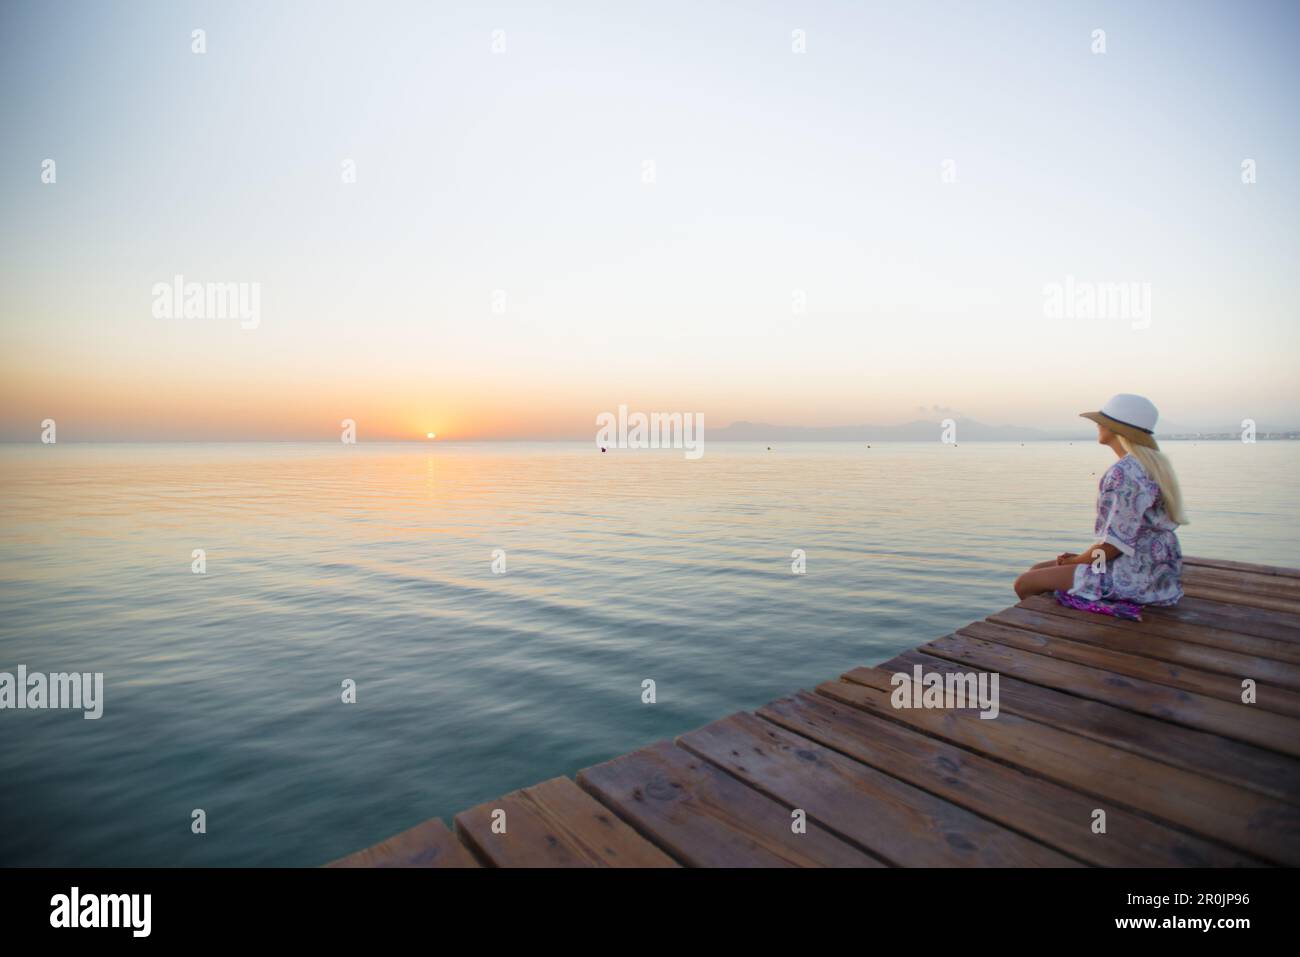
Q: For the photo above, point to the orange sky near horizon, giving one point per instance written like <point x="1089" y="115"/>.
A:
<point x="234" y="402"/>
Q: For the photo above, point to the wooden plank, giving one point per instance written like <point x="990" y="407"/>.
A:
<point x="430" y="844"/>
<point x="1086" y="649"/>
<point x="1200" y="657"/>
<point x="1276" y="593"/>
<point x="1242" y="722"/>
<point x="556" y="824"/>
<point x="588" y="822"/>
<point x="1235" y="596"/>
<point x="1239" y="618"/>
<point x="1278" y="570"/>
<point x="1250" y="582"/>
<point x="530" y="840"/>
<point x="1250" y="822"/>
<point x="1233" y="762"/>
<point x="1048" y="812"/>
<point x="895" y="821"/>
<point x="706" y="818"/>
<point x="1138" y="632"/>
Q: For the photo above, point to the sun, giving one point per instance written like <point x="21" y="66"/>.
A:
<point x="430" y="435"/>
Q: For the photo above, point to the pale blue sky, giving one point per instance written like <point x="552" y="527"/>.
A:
<point x="522" y="171"/>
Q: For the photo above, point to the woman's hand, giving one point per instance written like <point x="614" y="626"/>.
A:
<point x="1084" y="558"/>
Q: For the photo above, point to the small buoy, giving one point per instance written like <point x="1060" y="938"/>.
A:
<point x="769" y="448"/>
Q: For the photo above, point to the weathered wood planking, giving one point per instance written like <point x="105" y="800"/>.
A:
<point x="1154" y="660"/>
<point x="1272" y="592"/>
<point x="1272" y="570"/>
<point x="706" y="818"/>
<point x="1048" y="812"/>
<point x="555" y="824"/>
<point x="1210" y="754"/>
<point x="875" y="811"/>
<point x="1038" y="608"/>
<point x="1141" y="720"/>
<point x="1259" y="825"/>
<point x="430" y="844"/>
<point x="1251" y="724"/>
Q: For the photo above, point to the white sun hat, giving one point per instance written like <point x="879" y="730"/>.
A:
<point x="1132" y="416"/>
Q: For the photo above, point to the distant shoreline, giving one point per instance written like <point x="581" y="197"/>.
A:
<point x="1216" y="437"/>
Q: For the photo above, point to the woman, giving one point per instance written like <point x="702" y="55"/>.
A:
<point x="1136" y="558"/>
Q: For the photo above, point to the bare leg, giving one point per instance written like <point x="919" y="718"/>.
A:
<point x="1045" y="578"/>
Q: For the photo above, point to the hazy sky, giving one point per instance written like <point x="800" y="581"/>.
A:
<point x="501" y="266"/>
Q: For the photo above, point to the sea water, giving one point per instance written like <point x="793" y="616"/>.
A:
<point x="496" y="607"/>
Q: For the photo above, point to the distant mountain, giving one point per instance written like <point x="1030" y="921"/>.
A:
<point x="968" y="430"/>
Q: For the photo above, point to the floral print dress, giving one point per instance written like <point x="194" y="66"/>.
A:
<point x="1131" y="516"/>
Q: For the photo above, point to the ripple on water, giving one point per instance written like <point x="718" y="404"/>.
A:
<point x="223" y="690"/>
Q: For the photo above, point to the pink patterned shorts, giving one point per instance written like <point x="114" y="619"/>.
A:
<point x="1117" y="609"/>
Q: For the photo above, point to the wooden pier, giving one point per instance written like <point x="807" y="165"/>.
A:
<point x="1143" y="722"/>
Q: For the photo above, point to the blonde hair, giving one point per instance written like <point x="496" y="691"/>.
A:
<point x="1162" y="473"/>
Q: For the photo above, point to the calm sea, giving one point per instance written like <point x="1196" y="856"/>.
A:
<point x="374" y="563"/>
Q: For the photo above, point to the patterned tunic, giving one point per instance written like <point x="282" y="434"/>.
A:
<point x="1131" y="516"/>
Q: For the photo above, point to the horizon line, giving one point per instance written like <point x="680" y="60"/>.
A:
<point x="1282" y="436"/>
